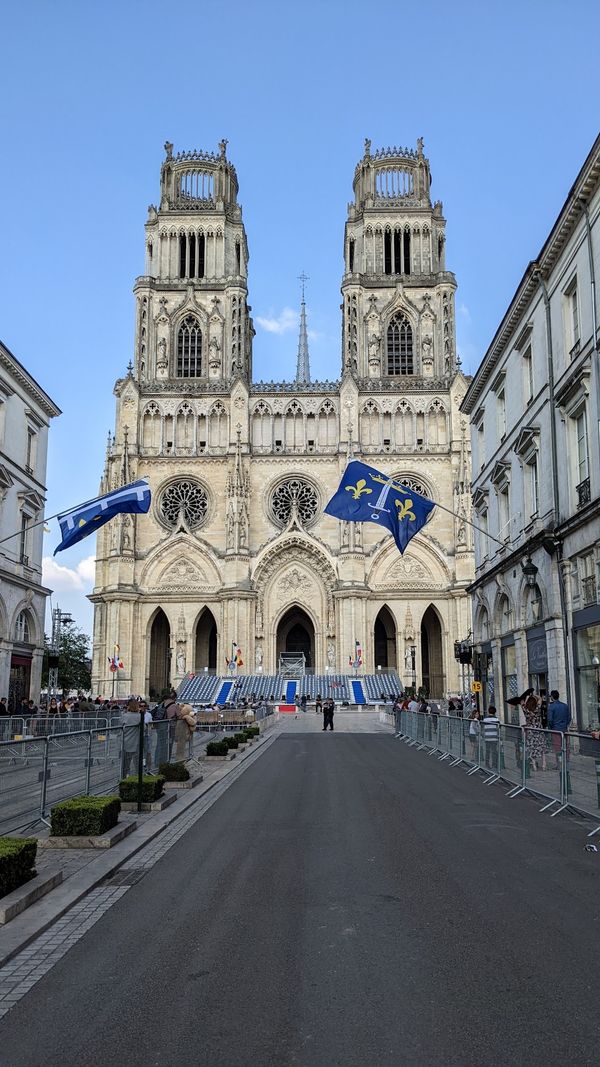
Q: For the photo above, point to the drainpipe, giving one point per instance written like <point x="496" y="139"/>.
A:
<point x="537" y="274"/>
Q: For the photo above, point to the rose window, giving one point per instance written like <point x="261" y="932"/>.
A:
<point x="412" y="483"/>
<point x="184" y="501"/>
<point x="294" y="493"/>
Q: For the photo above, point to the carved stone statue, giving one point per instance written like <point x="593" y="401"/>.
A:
<point x="169" y="149"/>
<point x="162" y="363"/>
<point x="331" y="654"/>
<point x="180" y="659"/>
<point x="223" y="147"/>
<point x="258" y="656"/>
<point x="367" y="146"/>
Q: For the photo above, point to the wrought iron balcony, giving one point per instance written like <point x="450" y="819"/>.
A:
<point x="588" y="589"/>
<point x="583" y="493"/>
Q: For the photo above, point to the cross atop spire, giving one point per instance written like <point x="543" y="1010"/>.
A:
<point x="303" y="364"/>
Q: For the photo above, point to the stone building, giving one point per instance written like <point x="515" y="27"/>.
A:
<point x="236" y="546"/>
<point x="535" y="411"/>
<point x="25" y="413"/>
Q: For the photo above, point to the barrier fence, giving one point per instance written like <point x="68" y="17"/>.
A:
<point x="563" y="769"/>
<point x="39" y="771"/>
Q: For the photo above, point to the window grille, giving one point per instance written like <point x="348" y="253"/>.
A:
<point x="189" y="348"/>
<point x="400" y="359"/>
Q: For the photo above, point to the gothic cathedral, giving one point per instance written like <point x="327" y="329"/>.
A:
<point x="236" y="547"/>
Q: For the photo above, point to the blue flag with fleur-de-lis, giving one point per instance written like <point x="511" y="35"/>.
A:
<point x="366" y="495"/>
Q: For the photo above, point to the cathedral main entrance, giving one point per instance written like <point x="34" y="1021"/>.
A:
<point x="160" y="656"/>
<point x="432" y="661"/>
<point x="296" y="633"/>
<point x="385" y="641"/>
<point x="206" y="641"/>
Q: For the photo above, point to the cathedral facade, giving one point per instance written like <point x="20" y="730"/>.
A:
<point x="236" y="547"/>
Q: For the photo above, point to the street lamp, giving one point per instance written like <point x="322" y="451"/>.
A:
<point x="530" y="571"/>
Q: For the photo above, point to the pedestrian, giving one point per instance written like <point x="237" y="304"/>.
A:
<point x="535" y="738"/>
<point x="328" y="713"/>
<point x="474" y="730"/>
<point x="164" y="717"/>
<point x="303" y="702"/>
<point x="131" y="737"/>
<point x="559" y="720"/>
<point x="148" y="735"/>
<point x="184" y="728"/>
<point x="491" y="737"/>
<point x="318" y="704"/>
<point x="3" y="706"/>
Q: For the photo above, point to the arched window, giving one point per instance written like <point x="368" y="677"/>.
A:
<point x="400" y="346"/>
<point x="189" y="348"/>
<point x="22" y="632"/>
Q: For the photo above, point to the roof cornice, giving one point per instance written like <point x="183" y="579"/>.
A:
<point x="29" y="384"/>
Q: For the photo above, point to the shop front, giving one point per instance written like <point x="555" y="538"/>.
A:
<point x="537" y="660"/>
<point x="20" y="681"/>
<point x="586" y="640"/>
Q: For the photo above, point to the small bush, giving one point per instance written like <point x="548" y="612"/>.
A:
<point x="174" y="772"/>
<point x="84" y="816"/>
<point x="254" y="731"/>
<point x="217" y="748"/>
<point x="152" y="788"/>
<point x="241" y="738"/>
<point x="231" y="742"/>
<point x="17" y="859"/>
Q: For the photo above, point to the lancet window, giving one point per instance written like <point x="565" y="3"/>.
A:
<point x="192" y="255"/>
<point x="396" y="251"/>
<point x="189" y="348"/>
<point x="400" y="358"/>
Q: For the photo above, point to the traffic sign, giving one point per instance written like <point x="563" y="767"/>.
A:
<point x="476" y="687"/>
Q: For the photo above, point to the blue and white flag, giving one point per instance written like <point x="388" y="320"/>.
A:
<point x="366" y="495"/>
<point x="89" y="517"/>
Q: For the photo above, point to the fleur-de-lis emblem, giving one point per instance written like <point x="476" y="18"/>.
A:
<point x="358" y="489"/>
<point x="404" y="511"/>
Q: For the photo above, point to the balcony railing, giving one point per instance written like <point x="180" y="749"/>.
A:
<point x="588" y="590"/>
<point x="583" y="493"/>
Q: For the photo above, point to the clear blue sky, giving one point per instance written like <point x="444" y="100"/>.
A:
<point x="504" y="94"/>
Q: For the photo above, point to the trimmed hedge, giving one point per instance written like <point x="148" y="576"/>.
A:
<point x="217" y="748"/>
<point x="241" y="738"/>
<point x="231" y="742"/>
<point x="17" y="859"/>
<point x="174" y="772"/>
<point x="254" y="731"/>
<point x="152" y="788"/>
<point x="84" y="816"/>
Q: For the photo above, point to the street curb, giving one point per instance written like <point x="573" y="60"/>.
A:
<point x="26" y="927"/>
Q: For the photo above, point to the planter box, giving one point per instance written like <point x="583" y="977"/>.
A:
<point x="221" y="759"/>
<point x="190" y="784"/>
<point x="14" y="903"/>
<point x="105" y="840"/>
<point x="154" y="805"/>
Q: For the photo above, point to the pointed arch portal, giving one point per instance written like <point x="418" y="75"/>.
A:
<point x="385" y="641"/>
<point x="160" y="656"/>
<point x="432" y="660"/>
<point x="206" y="641"/>
<point x="296" y="633"/>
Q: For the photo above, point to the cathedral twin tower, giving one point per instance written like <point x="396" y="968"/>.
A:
<point x="236" y="546"/>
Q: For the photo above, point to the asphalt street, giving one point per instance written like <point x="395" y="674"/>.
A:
<point x="348" y="901"/>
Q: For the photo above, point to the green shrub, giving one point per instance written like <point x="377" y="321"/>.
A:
<point x="17" y="859"/>
<point x="84" y="816"/>
<point x="217" y="748"/>
<point x="241" y="738"/>
<point x="174" y="772"/>
<point x="152" y="788"/>
<point x="231" y="741"/>
<point x="254" y="731"/>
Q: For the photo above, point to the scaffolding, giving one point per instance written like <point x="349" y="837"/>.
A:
<point x="292" y="664"/>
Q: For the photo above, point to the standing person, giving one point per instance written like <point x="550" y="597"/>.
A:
<point x="535" y="738"/>
<point x="318" y="704"/>
<point x="328" y="713"/>
<point x="131" y="737"/>
<point x="148" y="735"/>
<point x="303" y="702"/>
<point x="184" y="728"/>
<point x="413" y="704"/>
<point x="3" y="706"/>
<point x="491" y="737"/>
<point x="559" y="720"/>
<point x="474" y="729"/>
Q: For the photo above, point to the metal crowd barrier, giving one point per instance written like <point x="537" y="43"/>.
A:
<point x="562" y="769"/>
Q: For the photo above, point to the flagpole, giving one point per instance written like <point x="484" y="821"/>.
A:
<point x="469" y="523"/>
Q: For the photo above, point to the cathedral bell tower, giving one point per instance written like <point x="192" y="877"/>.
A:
<point x="192" y="321"/>
<point x="398" y="309"/>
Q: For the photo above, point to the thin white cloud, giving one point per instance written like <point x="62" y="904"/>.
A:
<point x="284" y="322"/>
<point x="464" y="312"/>
<point x="63" y="579"/>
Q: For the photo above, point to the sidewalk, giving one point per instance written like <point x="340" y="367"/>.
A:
<point x="85" y="869"/>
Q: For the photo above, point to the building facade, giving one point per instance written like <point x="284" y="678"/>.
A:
<point x="25" y="413"/>
<point x="236" y="546"/>
<point x="535" y="415"/>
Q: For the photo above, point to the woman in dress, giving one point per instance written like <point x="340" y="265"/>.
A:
<point x="535" y="738"/>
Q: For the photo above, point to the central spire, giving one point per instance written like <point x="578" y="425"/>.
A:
<point x="303" y="365"/>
